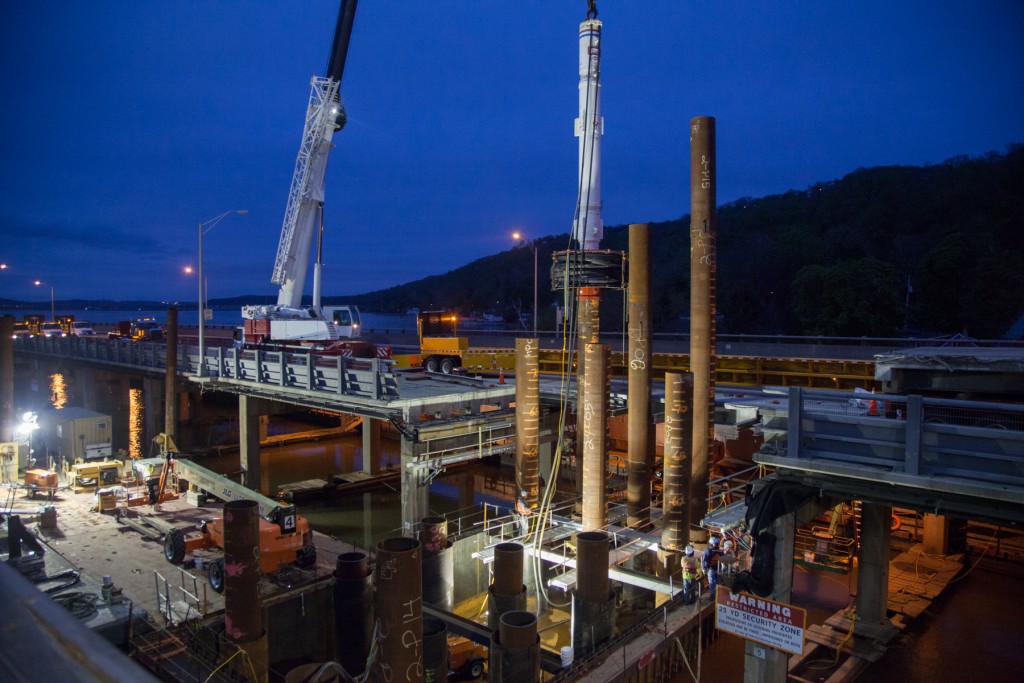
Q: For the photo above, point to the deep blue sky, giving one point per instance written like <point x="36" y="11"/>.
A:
<point x="126" y="123"/>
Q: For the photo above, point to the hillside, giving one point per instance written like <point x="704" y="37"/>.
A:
<point x="934" y="249"/>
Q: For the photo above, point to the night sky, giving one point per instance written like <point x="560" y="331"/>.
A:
<point x="125" y="124"/>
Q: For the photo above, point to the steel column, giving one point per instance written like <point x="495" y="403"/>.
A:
<point x="399" y="601"/>
<point x="703" y="231"/>
<point x="676" y="514"/>
<point x="594" y="411"/>
<point x="640" y="448"/>
<point x="527" y="425"/>
<point x="353" y="611"/>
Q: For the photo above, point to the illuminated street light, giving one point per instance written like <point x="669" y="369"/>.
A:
<point x="53" y="314"/>
<point x="203" y="227"/>
<point x="533" y="245"/>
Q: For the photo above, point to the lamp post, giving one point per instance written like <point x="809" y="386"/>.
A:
<point x="203" y="227"/>
<point x="53" y="309"/>
<point x="533" y="245"/>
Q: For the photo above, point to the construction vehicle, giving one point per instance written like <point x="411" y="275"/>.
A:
<point x="285" y="537"/>
<point x="289" y="320"/>
<point x="441" y="349"/>
<point x="143" y="329"/>
<point x="465" y="658"/>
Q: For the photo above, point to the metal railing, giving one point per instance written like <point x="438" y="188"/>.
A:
<point x="910" y="435"/>
<point x="333" y="375"/>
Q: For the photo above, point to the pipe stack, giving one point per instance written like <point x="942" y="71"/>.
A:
<point x="514" y="655"/>
<point x="593" y="602"/>
<point x="507" y="592"/>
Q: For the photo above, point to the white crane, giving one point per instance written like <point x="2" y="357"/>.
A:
<point x="289" y="320"/>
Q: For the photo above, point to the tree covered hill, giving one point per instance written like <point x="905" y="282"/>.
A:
<point x="935" y="249"/>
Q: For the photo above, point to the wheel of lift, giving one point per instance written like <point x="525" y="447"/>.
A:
<point x="446" y="366"/>
<point x="475" y="668"/>
<point x="430" y="364"/>
<point x="216" y="574"/>
<point x="174" y="546"/>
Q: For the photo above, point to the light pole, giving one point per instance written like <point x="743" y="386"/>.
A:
<point x="533" y="245"/>
<point x="53" y="309"/>
<point x="203" y="227"/>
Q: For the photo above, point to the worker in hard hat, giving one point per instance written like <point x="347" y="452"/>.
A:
<point x="689" y="564"/>
<point x="709" y="562"/>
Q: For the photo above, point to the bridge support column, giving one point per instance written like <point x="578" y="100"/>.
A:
<point x="873" y="564"/>
<point x="153" y="409"/>
<point x="85" y="389"/>
<point x="765" y="664"/>
<point x="250" y="426"/>
<point x="371" y="445"/>
<point x="942" y="535"/>
<point x="7" y="424"/>
<point x="415" y="489"/>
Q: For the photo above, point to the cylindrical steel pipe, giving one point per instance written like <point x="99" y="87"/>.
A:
<point x="171" y="376"/>
<point x="433" y="534"/>
<point x="518" y="630"/>
<point x="640" y="446"/>
<point x="435" y="650"/>
<point x="703" y="234"/>
<point x="514" y="655"/>
<point x="243" y="611"/>
<point x="592" y="565"/>
<point x="6" y="378"/>
<point x="507" y="592"/>
<point x="588" y="331"/>
<point x="508" y="569"/>
<point x="594" y="409"/>
<point x="675" y="512"/>
<point x="398" y="576"/>
<point x="353" y="611"/>
<point x="527" y="425"/>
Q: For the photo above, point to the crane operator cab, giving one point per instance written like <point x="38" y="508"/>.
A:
<point x="345" y="319"/>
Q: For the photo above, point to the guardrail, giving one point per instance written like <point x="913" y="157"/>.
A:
<point x="336" y="375"/>
<point x="908" y="435"/>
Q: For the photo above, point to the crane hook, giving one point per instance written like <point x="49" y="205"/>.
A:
<point x="591" y="9"/>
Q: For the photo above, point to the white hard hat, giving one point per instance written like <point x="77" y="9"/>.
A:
<point x="688" y="550"/>
<point x="727" y="546"/>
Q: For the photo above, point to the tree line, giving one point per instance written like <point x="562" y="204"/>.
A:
<point x="884" y="251"/>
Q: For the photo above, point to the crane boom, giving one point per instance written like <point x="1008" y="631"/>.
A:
<point x="324" y="115"/>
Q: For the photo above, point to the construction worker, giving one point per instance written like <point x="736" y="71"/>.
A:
<point x="709" y="562"/>
<point x="689" y="564"/>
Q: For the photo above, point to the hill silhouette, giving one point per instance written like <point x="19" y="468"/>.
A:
<point x="883" y="251"/>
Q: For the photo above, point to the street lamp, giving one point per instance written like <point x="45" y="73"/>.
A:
<point x="533" y="245"/>
<point x="53" y="314"/>
<point x="203" y="227"/>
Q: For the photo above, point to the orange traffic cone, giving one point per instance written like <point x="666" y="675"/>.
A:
<point x="501" y="375"/>
<point x="873" y="407"/>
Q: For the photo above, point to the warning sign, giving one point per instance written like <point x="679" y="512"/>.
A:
<point x="767" y="622"/>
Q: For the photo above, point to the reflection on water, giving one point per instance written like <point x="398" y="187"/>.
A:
<point x="58" y="391"/>
<point x="136" y="422"/>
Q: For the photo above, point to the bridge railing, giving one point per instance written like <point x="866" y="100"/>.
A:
<point x="912" y="435"/>
<point x="337" y="375"/>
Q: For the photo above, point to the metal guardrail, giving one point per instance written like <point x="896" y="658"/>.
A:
<point x="909" y="435"/>
<point x="335" y="375"/>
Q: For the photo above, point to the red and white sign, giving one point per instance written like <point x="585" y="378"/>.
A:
<point x="770" y="623"/>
